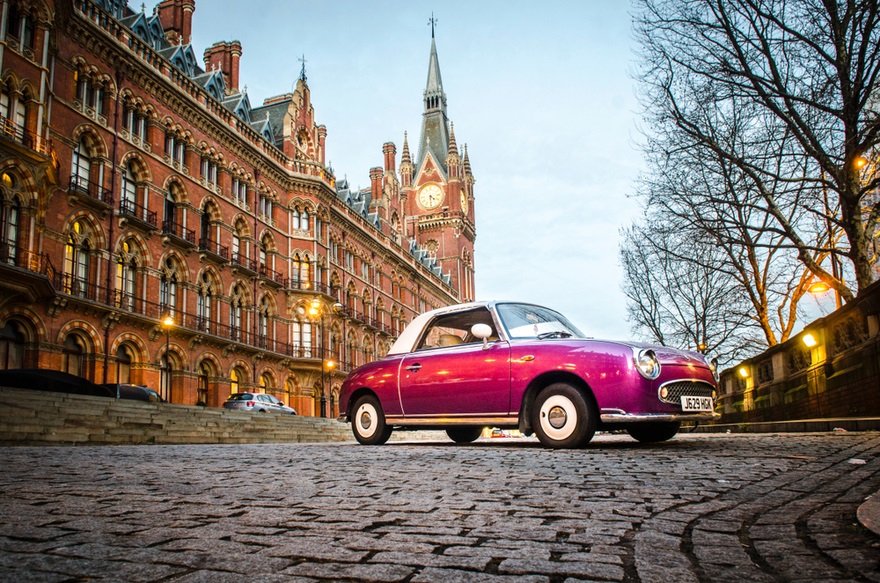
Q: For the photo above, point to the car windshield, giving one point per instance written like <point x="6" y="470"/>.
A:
<point x="528" y="321"/>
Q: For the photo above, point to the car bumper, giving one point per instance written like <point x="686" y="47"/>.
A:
<point x="623" y="417"/>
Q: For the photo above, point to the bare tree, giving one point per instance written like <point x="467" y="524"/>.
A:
<point x="684" y="303"/>
<point x="693" y="191"/>
<point x="780" y="91"/>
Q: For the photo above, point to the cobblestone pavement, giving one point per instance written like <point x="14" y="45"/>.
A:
<point x="700" y="508"/>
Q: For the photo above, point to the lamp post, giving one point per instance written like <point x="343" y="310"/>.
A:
<point x="316" y="311"/>
<point x="167" y="323"/>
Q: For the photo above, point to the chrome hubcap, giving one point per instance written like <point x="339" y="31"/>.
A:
<point x="366" y="419"/>
<point x="557" y="417"/>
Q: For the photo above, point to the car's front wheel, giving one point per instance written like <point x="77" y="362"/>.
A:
<point x="368" y="422"/>
<point x="563" y="417"/>
<point x="464" y="434"/>
<point x="653" y="432"/>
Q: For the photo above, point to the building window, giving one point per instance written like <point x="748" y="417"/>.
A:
<point x="81" y="170"/>
<point x="304" y="221"/>
<point x="123" y="365"/>
<point x="77" y="261"/>
<point x="134" y="121"/>
<point x="170" y="211"/>
<point x="10" y="228"/>
<point x="73" y="355"/>
<point x="204" y="304"/>
<point x="235" y="312"/>
<point x="209" y="171"/>
<point x="11" y="346"/>
<point x="126" y="277"/>
<point x="174" y="148"/>
<point x="20" y="29"/>
<point x="204" y="376"/>
<point x="265" y="207"/>
<point x="128" y="197"/>
<point x="168" y="289"/>
<point x="89" y="92"/>
<point x="234" y="381"/>
<point x="239" y="192"/>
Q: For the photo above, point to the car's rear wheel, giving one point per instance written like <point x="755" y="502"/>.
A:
<point x="368" y="422"/>
<point x="653" y="432"/>
<point x="464" y="434"/>
<point x="563" y="417"/>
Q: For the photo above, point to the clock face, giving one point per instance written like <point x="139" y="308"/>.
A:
<point x="430" y="196"/>
<point x="464" y="202"/>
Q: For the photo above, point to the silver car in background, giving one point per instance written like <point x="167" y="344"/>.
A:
<point x="257" y="402"/>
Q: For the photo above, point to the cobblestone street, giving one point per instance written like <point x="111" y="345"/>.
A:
<point x="700" y="508"/>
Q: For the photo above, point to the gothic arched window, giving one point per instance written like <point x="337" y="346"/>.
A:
<point x="126" y="276"/>
<point x="77" y="260"/>
<point x="168" y="288"/>
<point x="81" y="170"/>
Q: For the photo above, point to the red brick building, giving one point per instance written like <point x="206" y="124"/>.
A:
<point x="156" y="228"/>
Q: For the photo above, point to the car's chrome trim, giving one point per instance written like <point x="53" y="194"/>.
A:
<point x="442" y="420"/>
<point x="662" y="417"/>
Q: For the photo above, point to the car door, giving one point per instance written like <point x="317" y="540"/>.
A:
<point x="466" y="379"/>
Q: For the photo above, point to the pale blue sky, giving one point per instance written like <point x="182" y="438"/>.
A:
<point x="539" y="91"/>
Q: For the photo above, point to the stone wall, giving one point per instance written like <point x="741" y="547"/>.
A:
<point x="830" y="370"/>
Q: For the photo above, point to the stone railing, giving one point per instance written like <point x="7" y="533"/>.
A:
<point x="830" y="370"/>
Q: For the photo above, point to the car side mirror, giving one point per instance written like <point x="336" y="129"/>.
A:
<point x="483" y="332"/>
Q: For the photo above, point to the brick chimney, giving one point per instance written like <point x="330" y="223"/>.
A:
<point x="376" y="184"/>
<point x="176" y="18"/>
<point x="390" y="151"/>
<point x="226" y="57"/>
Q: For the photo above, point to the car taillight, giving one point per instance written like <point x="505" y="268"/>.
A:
<point x="250" y="403"/>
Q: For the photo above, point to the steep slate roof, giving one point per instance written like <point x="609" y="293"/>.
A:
<point x="274" y="116"/>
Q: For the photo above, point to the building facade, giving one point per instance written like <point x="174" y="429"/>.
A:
<point x="156" y="228"/>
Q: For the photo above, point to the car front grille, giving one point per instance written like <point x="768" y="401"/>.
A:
<point x="678" y="389"/>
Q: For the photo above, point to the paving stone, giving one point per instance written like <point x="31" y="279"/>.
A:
<point x="698" y="508"/>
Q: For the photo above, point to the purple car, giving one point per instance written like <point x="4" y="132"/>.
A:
<point x="521" y="366"/>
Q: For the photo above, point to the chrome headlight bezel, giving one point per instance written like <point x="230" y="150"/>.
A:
<point x="646" y="362"/>
<point x="713" y="366"/>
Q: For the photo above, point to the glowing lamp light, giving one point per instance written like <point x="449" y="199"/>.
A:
<point x="168" y="321"/>
<point x="809" y="340"/>
<point x="743" y="372"/>
<point x="860" y="162"/>
<point x="818" y="287"/>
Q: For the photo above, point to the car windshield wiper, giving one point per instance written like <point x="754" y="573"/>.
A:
<point x="554" y="334"/>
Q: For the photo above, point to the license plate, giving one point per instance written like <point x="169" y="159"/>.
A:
<point x="697" y="404"/>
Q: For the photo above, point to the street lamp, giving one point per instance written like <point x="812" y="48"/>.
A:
<point x="316" y="312"/>
<point x="167" y="323"/>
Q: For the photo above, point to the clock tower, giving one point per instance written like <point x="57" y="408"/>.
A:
<point x="438" y="187"/>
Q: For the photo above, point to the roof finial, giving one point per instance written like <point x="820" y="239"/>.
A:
<point x="302" y="72"/>
<point x="432" y="21"/>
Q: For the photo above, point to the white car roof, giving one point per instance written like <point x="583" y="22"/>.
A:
<point x="407" y="340"/>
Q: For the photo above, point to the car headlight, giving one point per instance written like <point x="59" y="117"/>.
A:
<point x="647" y="364"/>
<point x="713" y="366"/>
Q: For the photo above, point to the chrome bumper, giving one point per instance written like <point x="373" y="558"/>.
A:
<point x="622" y="417"/>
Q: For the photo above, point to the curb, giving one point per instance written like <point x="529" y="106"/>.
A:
<point x="869" y="513"/>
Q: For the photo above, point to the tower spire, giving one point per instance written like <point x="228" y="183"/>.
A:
<point x="435" y="133"/>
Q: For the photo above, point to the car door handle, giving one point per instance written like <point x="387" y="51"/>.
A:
<point x="414" y="367"/>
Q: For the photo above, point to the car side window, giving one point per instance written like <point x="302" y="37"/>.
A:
<point x="454" y="329"/>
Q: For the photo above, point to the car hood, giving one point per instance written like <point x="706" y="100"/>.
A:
<point x="664" y="353"/>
